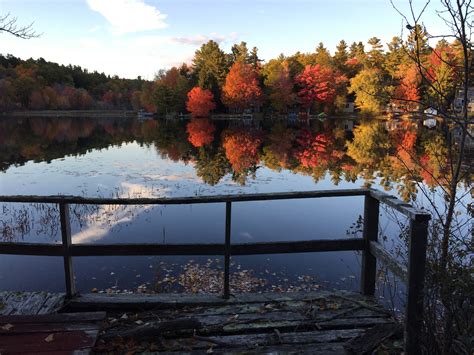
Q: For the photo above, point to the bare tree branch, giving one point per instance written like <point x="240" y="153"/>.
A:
<point x="10" y="25"/>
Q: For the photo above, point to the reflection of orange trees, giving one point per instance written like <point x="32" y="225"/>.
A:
<point x="241" y="148"/>
<point x="278" y="150"/>
<point x="316" y="149"/>
<point x="200" y="132"/>
<point x="241" y="89"/>
<point x="200" y="102"/>
<point x="405" y="157"/>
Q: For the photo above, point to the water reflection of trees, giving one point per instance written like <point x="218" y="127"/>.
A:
<point x="399" y="157"/>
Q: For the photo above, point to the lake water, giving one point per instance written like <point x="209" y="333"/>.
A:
<point x="126" y="158"/>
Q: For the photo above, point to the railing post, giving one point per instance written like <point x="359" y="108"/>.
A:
<point x="66" y="239"/>
<point x="416" y="278"/>
<point x="228" y="218"/>
<point x="371" y="230"/>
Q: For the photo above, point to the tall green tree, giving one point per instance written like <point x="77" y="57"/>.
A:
<point x="341" y="56"/>
<point x="323" y="57"/>
<point x="210" y="67"/>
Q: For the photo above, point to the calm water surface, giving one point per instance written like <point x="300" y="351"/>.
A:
<point x="118" y="158"/>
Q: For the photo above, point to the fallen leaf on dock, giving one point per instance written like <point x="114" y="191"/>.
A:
<point x="7" y="326"/>
<point x="49" y="338"/>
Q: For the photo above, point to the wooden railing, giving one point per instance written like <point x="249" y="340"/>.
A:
<point x="369" y="246"/>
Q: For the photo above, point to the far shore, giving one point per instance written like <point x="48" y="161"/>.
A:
<point x="72" y="113"/>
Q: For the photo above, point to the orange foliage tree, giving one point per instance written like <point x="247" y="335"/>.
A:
<point x="241" y="148"/>
<point x="319" y="84"/>
<point x="200" y="102"/>
<point x="241" y="89"/>
<point x="407" y="92"/>
<point x="200" y="132"/>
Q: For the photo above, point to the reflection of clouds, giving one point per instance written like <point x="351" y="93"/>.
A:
<point x="246" y="235"/>
<point x="106" y="217"/>
<point x="169" y="177"/>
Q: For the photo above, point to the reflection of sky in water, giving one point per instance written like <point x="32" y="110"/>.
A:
<point x="132" y="170"/>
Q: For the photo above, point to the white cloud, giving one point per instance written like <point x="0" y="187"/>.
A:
<point x="127" y="16"/>
<point x="200" y="39"/>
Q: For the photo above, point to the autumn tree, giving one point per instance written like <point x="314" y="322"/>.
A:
<point x="319" y="84"/>
<point x="241" y="89"/>
<point x="370" y="90"/>
<point x="407" y="93"/>
<point x="200" y="102"/>
<point x="280" y="85"/>
<point x="441" y="74"/>
<point x="200" y="132"/>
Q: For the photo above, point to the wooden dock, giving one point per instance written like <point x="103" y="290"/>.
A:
<point x="317" y="322"/>
<point x="371" y="250"/>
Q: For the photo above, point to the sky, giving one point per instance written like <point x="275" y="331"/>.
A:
<point x="133" y="38"/>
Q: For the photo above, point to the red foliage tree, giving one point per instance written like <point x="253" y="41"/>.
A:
<point x="241" y="149"/>
<point x="200" y="132"/>
<point x="241" y="89"/>
<point x="314" y="149"/>
<point x="200" y="102"/>
<point x="319" y="84"/>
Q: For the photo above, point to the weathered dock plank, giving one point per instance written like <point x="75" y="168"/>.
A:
<point x="312" y="322"/>
<point x="29" y="303"/>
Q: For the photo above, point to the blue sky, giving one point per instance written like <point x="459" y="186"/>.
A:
<point x="139" y="37"/>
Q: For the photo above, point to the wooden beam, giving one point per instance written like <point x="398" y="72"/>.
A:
<point x="303" y="246"/>
<point x="227" y="249"/>
<point x="31" y="249"/>
<point x="393" y="264"/>
<point x="66" y="239"/>
<point x="185" y="200"/>
<point x="416" y="280"/>
<point x="402" y="207"/>
<point x="371" y="231"/>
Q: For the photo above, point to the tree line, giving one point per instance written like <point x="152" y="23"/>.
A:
<point x="375" y="79"/>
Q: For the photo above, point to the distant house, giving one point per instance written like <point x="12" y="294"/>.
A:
<point x="430" y="122"/>
<point x="348" y="125"/>
<point x="456" y="134"/>
<point x="349" y="107"/>
<point x="396" y="124"/>
<point x="430" y="111"/>
<point x="459" y="100"/>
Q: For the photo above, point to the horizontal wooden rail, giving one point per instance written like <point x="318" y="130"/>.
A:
<point x="185" y="200"/>
<point x="402" y="207"/>
<point x="302" y="246"/>
<point x="390" y="262"/>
